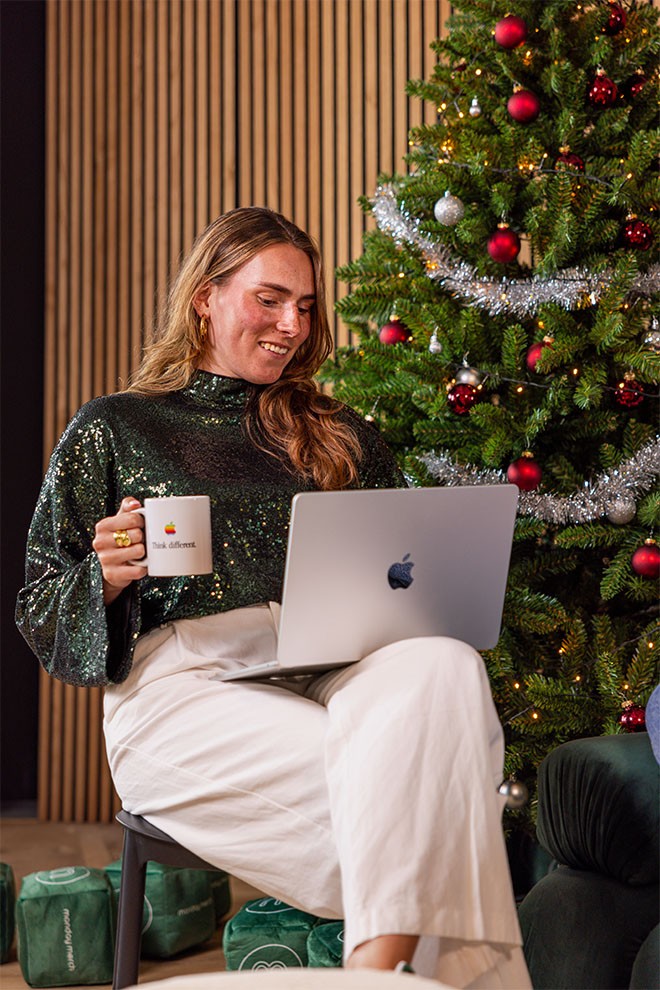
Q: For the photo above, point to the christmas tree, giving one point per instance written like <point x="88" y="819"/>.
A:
<point x="503" y="329"/>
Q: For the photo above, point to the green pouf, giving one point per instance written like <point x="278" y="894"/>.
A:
<point x="65" y="927"/>
<point x="221" y="893"/>
<point x="179" y="908"/>
<point x="267" y="934"/>
<point x="7" y="914"/>
<point x="325" y="944"/>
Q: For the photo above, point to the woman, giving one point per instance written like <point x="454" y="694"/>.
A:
<point x="367" y="793"/>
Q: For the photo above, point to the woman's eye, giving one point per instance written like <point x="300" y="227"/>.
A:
<point x="304" y="310"/>
<point x="265" y="301"/>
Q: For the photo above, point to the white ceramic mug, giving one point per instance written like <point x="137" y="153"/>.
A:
<point x="177" y="536"/>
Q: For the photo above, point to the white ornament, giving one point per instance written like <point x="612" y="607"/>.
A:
<point x="621" y="511"/>
<point x="435" y="347"/>
<point x="475" y="109"/>
<point x="449" y="210"/>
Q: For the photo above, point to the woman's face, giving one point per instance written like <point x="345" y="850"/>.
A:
<point x="258" y="319"/>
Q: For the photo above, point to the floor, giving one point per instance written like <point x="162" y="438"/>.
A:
<point x="28" y="846"/>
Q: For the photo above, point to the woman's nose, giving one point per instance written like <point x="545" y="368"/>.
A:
<point x="289" y="320"/>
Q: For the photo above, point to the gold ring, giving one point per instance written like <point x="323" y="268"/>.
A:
<point x="121" y="538"/>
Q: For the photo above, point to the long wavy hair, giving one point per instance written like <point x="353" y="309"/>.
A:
<point x="291" y="418"/>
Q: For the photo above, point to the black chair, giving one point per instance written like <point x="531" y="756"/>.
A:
<point x="142" y="842"/>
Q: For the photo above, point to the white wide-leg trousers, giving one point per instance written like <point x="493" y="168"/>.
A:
<point x="368" y="793"/>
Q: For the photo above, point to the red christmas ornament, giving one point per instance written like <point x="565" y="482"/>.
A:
<point x="510" y="32"/>
<point x="461" y="397"/>
<point x="636" y="85"/>
<point x="524" y="472"/>
<point x="637" y="234"/>
<point x="524" y="106"/>
<point x="394" y="332"/>
<point x="602" y="91"/>
<point x="568" y="159"/>
<point x="633" y="717"/>
<point x="504" y="244"/>
<point x="534" y="352"/>
<point x="629" y="393"/>
<point x="645" y="561"/>
<point x="616" y="20"/>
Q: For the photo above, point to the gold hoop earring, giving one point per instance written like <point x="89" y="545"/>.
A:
<point x="203" y="328"/>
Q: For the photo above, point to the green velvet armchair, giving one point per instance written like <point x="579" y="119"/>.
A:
<point x="592" y="922"/>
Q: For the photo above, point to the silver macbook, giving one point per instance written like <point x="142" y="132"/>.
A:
<point x="367" y="568"/>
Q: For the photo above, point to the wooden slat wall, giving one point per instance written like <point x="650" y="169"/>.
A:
<point x="162" y="114"/>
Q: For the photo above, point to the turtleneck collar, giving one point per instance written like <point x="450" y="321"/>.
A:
<point x="207" y="388"/>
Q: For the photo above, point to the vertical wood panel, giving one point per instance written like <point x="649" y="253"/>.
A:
<point x="160" y="115"/>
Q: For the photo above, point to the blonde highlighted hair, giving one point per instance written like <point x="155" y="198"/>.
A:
<point x="290" y="419"/>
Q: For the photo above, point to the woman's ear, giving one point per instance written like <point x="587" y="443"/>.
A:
<point x="201" y="300"/>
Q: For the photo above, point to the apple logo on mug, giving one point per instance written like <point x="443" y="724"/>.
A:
<point x="399" y="575"/>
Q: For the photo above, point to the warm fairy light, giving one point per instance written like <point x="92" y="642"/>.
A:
<point x="535" y="715"/>
<point x="577" y="677"/>
<point x="443" y="106"/>
<point x="461" y="114"/>
<point x="626" y="687"/>
<point x="561" y="649"/>
<point x="402" y="274"/>
<point x="477" y="72"/>
<point x="576" y="371"/>
<point x="650" y="645"/>
<point x="520" y="389"/>
<point x="629" y="175"/>
<point x="541" y="324"/>
<point x="516" y="685"/>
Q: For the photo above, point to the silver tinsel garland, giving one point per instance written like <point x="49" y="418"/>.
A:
<point x="522" y="297"/>
<point x="631" y="479"/>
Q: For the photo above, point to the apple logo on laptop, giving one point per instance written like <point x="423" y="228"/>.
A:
<point x="399" y="575"/>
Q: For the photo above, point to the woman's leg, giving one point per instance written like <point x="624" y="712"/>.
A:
<point x="414" y="758"/>
<point x="234" y="771"/>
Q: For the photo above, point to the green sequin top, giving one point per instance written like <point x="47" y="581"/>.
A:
<point x="189" y="442"/>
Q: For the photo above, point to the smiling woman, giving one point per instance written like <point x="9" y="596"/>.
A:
<point x="327" y="792"/>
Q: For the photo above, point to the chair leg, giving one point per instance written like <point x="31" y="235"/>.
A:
<point x="129" y="914"/>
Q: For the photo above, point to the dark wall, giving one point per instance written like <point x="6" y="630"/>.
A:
<point x="22" y="115"/>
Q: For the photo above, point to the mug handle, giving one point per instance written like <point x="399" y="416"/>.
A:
<point x="143" y="562"/>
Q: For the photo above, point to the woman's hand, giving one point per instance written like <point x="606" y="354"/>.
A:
<point x="116" y="569"/>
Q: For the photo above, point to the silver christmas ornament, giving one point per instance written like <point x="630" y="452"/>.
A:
<point x="621" y="511"/>
<point x="467" y="376"/>
<point x="515" y="792"/>
<point x="652" y="340"/>
<point x="475" y="109"/>
<point x="435" y="347"/>
<point x="449" y="210"/>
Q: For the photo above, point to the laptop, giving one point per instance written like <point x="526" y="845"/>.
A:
<point x="369" y="567"/>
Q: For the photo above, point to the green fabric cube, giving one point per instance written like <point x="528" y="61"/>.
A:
<point x="179" y="908"/>
<point x="65" y="927"/>
<point x="325" y="944"/>
<point x="7" y="913"/>
<point x="221" y="892"/>
<point x="267" y="934"/>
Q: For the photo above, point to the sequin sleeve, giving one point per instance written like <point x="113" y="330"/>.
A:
<point x="60" y="611"/>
